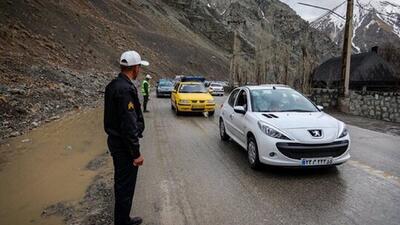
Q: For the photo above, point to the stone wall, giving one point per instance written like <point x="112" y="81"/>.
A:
<point x="376" y="105"/>
<point x="328" y="98"/>
<point x="371" y="104"/>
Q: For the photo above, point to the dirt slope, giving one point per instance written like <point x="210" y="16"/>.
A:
<point x="58" y="55"/>
<point x="91" y="34"/>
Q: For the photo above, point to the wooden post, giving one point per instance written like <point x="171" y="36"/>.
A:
<point x="346" y="54"/>
<point x="233" y="76"/>
<point x="232" y="71"/>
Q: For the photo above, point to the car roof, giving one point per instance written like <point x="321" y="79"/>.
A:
<point x="190" y="82"/>
<point x="266" y="86"/>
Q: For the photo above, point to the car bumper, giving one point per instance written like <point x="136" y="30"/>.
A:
<point x="215" y="92"/>
<point x="164" y="93"/>
<point x="290" y="154"/>
<point x="190" y="108"/>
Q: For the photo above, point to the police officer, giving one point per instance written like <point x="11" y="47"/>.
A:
<point x="124" y="124"/>
<point x="146" y="91"/>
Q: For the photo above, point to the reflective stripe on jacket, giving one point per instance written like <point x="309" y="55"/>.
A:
<point x="145" y="90"/>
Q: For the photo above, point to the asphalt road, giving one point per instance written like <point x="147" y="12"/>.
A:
<point x="191" y="177"/>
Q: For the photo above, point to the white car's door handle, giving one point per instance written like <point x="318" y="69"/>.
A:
<point x="231" y="116"/>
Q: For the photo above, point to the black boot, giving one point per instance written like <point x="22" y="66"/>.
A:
<point x="135" y="221"/>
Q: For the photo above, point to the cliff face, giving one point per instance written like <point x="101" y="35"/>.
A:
<point x="276" y="45"/>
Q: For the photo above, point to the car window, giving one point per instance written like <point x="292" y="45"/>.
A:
<point x="242" y="99"/>
<point x="192" y="88"/>
<point x="232" y="97"/>
<point x="280" y="100"/>
<point x="165" y="83"/>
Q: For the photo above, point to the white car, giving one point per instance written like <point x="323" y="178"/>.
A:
<point x="279" y="126"/>
<point x="217" y="89"/>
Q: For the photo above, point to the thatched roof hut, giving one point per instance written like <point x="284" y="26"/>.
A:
<point x="368" y="70"/>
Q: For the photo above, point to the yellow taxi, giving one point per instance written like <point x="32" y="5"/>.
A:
<point x="192" y="97"/>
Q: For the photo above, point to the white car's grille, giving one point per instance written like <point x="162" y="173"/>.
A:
<point x="299" y="150"/>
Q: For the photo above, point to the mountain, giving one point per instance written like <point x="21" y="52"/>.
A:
<point x="276" y="45"/>
<point x="56" y="56"/>
<point x="375" y="22"/>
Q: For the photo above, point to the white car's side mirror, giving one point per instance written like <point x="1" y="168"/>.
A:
<point x="239" y="109"/>
<point x="320" y="107"/>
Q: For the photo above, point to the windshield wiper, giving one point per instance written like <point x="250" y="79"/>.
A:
<point x="296" y="110"/>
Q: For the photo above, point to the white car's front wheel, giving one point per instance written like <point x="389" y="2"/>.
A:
<point x="252" y="153"/>
<point x="222" y="131"/>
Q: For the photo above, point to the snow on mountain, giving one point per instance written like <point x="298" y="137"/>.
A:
<point x="374" y="22"/>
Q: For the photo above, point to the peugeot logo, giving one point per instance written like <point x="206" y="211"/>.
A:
<point x="315" y="133"/>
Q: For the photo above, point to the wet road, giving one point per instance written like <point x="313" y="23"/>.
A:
<point x="191" y="177"/>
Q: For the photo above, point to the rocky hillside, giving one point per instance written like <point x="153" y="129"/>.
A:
<point x="56" y="56"/>
<point x="276" y="45"/>
<point x="376" y="22"/>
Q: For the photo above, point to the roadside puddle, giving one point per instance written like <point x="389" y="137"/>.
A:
<point x="49" y="165"/>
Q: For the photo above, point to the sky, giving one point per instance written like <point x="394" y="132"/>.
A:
<point x="309" y="13"/>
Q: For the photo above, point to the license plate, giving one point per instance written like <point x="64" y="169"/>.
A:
<point x="198" y="106"/>
<point x="316" y="161"/>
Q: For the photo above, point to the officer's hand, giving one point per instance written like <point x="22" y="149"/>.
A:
<point x="138" y="161"/>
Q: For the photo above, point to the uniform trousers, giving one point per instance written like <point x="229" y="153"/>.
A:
<point x="125" y="174"/>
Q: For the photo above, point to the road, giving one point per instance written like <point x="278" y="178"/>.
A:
<point x="191" y="177"/>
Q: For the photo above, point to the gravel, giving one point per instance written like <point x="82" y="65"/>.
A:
<point x="41" y="94"/>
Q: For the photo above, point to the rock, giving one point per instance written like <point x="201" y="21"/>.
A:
<point x="68" y="147"/>
<point x="15" y="133"/>
<point x="17" y="91"/>
<point x="21" y="110"/>
<point x="26" y="140"/>
<point x="54" y="118"/>
<point x="35" y="124"/>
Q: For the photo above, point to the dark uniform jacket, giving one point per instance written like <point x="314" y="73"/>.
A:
<point x="123" y="118"/>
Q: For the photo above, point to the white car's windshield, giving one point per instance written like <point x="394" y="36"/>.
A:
<point x="280" y="100"/>
<point x="192" y="88"/>
<point x="166" y="83"/>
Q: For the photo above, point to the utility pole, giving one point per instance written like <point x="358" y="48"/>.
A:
<point x="346" y="54"/>
<point x="344" y="100"/>
<point x="233" y="67"/>
<point x="233" y="73"/>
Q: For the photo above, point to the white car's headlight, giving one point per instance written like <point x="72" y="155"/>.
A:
<point x="184" y="101"/>
<point x="210" y="101"/>
<point x="271" y="131"/>
<point x="344" y="132"/>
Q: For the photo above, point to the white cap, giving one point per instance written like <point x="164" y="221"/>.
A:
<point x="148" y="76"/>
<point x="131" y="58"/>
